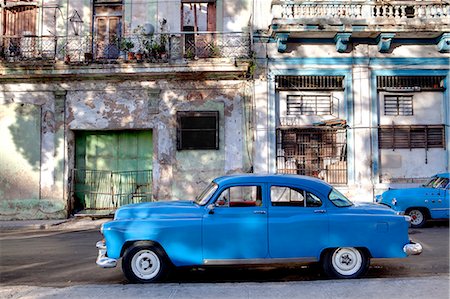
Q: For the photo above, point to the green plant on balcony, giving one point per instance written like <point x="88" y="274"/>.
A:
<point x="126" y="45"/>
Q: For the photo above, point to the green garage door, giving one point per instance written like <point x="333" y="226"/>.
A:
<point x="113" y="168"/>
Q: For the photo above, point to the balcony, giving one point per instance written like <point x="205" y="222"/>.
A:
<point x="207" y="53"/>
<point x="155" y="48"/>
<point x="361" y="17"/>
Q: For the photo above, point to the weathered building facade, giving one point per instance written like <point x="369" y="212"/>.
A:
<point x="108" y="102"/>
<point x="88" y="127"/>
<point x="356" y="92"/>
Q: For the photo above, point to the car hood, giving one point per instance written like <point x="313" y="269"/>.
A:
<point x="159" y="209"/>
<point x="371" y="208"/>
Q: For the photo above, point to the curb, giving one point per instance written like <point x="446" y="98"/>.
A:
<point x="61" y="224"/>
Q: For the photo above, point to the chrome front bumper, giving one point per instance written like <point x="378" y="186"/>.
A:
<point x="102" y="260"/>
<point x="412" y="248"/>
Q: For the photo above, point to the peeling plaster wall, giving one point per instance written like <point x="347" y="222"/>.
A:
<point x="63" y="108"/>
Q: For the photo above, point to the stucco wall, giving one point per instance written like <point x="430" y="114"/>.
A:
<point x="41" y="186"/>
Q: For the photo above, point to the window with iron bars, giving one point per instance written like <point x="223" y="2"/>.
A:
<point x="398" y="105"/>
<point x="415" y="83"/>
<point x="317" y="152"/>
<point x="409" y="137"/>
<point x="197" y="130"/>
<point x="309" y="105"/>
<point x="309" y="82"/>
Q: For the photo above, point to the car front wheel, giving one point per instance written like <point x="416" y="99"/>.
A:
<point x="144" y="263"/>
<point x="418" y="218"/>
<point x="345" y="262"/>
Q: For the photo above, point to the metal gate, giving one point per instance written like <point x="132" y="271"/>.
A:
<point x="317" y="152"/>
<point x="108" y="190"/>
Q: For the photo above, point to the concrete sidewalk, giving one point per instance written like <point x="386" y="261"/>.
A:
<point x="435" y="287"/>
<point x="61" y="224"/>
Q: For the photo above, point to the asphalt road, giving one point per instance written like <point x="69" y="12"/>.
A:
<point x="67" y="258"/>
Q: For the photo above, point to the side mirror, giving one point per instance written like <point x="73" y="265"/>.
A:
<point x="210" y="208"/>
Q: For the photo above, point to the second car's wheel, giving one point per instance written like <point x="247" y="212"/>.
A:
<point x="418" y="218"/>
<point x="144" y="263"/>
<point x="345" y="262"/>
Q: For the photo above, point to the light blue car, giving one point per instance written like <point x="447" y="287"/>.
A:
<point x="431" y="201"/>
<point x="254" y="219"/>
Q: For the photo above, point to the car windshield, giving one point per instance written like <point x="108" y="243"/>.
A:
<point x="338" y="199"/>
<point x="437" y="182"/>
<point x="204" y="197"/>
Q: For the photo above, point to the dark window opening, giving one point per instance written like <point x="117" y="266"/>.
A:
<point x="409" y="137"/>
<point x="316" y="152"/>
<point x="309" y="105"/>
<point x="398" y="105"/>
<point x="198" y="130"/>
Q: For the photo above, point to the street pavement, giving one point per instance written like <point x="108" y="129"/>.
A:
<point x="56" y="259"/>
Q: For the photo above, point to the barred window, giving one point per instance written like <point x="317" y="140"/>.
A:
<point x="309" y="82"/>
<point x="412" y="83"/>
<point x="414" y="136"/>
<point x="197" y="130"/>
<point x="318" y="152"/>
<point x="398" y="105"/>
<point x="309" y="105"/>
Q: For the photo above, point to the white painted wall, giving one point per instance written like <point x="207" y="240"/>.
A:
<point x="414" y="163"/>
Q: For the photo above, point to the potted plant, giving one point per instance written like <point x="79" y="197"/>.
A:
<point x="126" y="45"/>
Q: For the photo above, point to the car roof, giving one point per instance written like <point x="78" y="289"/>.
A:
<point x="275" y="178"/>
<point x="444" y="175"/>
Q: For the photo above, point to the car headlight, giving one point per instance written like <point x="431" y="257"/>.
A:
<point x="101" y="229"/>
<point x="394" y="201"/>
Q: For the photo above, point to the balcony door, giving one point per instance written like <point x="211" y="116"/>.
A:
<point x="108" y="30"/>
<point x="198" y="17"/>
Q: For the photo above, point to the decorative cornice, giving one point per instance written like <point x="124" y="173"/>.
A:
<point x="443" y="44"/>
<point x="384" y="42"/>
<point x="282" y="41"/>
<point x="342" y="40"/>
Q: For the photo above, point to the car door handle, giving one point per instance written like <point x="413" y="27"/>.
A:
<point x="259" y="212"/>
<point x="320" y="211"/>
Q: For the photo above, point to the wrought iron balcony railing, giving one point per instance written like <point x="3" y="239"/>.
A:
<point x="154" y="48"/>
<point x="418" y="14"/>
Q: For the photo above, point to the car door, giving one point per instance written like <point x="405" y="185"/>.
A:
<point x="298" y="222"/>
<point x="235" y="228"/>
<point x="437" y="198"/>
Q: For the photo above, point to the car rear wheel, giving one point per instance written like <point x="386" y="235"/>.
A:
<point x="345" y="262"/>
<point x="144" y="263"/>
<point x="418" y="218"/>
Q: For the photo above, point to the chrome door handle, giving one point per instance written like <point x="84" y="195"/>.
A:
<point x="259" y="212"/>
<point x="320" y="211"/>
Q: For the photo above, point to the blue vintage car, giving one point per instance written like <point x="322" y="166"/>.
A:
<point x="254" y="219"/>
<point x="431" y="201"/>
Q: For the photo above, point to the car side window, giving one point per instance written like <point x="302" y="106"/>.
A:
<point x="287" y="196"/>
<point x="240" y="196"/>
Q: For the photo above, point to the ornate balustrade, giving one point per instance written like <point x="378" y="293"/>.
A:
<point x="154" y="48"/>
<point x="364" y="12"/>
